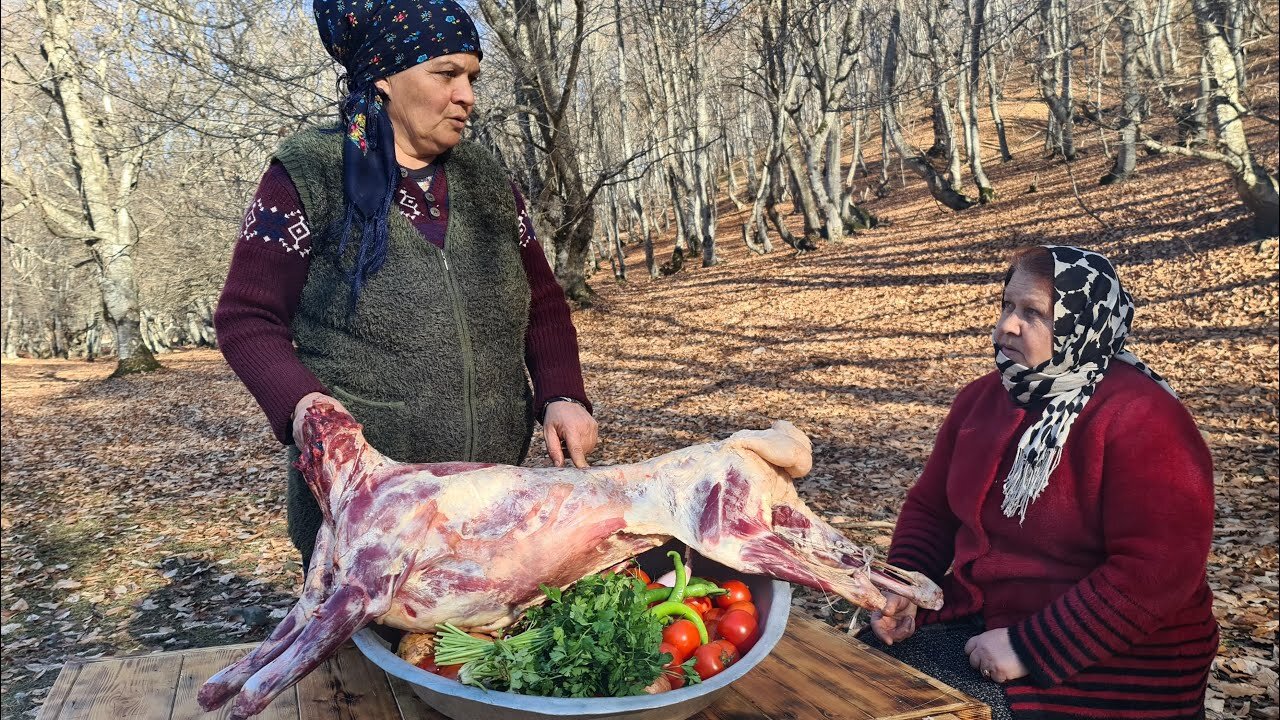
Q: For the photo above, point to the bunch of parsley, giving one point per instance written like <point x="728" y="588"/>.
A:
<point x="601" y="641"/>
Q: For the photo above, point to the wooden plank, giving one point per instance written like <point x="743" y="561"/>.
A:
<point x="366" y="684"/>
<point x="732" y="706"/>
<point x="900" y="674"/>
<point x="888" y="688"/>
<point x="885" y="688"/>
<point x="61" y="689"/>
<point x="138" y="688"/>
<point x="200" y="665"/>
<point x="346" y="687"/>
<point x="411" y="706"/>
<point x="815" y="673"/>
<point x="802" y="690"/>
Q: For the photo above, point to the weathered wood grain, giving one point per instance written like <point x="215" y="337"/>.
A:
<point x="814" y="673"/>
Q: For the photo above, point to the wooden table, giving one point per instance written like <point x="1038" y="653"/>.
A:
<point x="814" y="673"/>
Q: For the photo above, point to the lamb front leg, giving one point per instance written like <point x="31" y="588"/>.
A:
<point x="218" y="689"/>
<point x="335" y="622"/>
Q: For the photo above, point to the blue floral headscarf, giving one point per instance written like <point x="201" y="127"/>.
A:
<point x="373" y="39"/>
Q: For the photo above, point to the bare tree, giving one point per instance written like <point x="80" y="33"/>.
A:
<point x="105" y="157"/>
<point x="939" y="186"/>
<point x="546" y="61"/>
<point x="975" y="15"/>
<point x="1127" y="13"/>
<point x="1056" y="46"/>
<point x="1255" y="185"/>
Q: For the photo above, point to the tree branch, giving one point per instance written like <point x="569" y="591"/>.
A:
<point x="1200" y="153"/>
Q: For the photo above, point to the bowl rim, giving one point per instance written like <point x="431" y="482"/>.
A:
<point x="775" y="625"/>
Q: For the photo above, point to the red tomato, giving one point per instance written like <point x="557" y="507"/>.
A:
<point x="447" y="671"/>
<point x="712" y="658"/>
<point x="733" y="652"/>
<point x="655" y="586"/>
<point x="713" y="626"/>
<point x="738" y="592"/>
<point x="672" y="650"/>
<point x="672" y="669"/>
<point x="636" y="572"/>
<point x="683" y="636"/>
<point x="700" y="605"/>
<point x="747" y="606"/>
<point x="713" y="614"/>
<point x="739" y="628"/>
<point x="675" y="677"/>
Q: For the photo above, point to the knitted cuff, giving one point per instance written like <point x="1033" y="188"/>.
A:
<point x="1022" y="641"/>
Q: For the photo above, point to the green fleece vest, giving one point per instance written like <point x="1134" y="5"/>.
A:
<point x="432" y="361"/>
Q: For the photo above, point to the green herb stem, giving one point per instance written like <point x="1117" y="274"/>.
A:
<point x="453" y="646"/>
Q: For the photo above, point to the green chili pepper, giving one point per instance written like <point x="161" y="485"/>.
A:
<point x="677" y="592"/>
<point x="690" y="591"/>
<point x="670" y="608"/>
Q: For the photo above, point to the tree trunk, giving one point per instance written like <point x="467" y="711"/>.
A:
<point x="939" y="147"/>
<point x="771" y="209"/>
<point x="802" y="195"/>
<point x="994" y="93"/>
<point x="1255" y="185"/>
<point x="976" y="10"/>
<point x="704" y="179"/>
<point x="1131" y="108"/>
<point x="938" y="186"/>
<point x="108" y="231"/>
<point x="1055" y="76"/>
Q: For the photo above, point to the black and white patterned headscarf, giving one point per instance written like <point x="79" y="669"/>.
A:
<point x="1091" y="318"/>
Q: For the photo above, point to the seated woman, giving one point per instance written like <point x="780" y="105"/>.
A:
<point x="1071" y="495"/>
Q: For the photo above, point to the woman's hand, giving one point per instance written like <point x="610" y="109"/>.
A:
<point x="569" y="424"/>
<point x="896" y="622"/>
<point x="993" y="655"/>
<point x="300" y="412"/>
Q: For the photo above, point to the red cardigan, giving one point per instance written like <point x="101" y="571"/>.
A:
<point x="1103" y="588"/>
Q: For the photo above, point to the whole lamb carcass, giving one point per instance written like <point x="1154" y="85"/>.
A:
<point x="413" y="546"/>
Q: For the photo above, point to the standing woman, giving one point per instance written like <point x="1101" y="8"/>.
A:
<point x="390" y="267"/>
<point x="1067" y="512"/>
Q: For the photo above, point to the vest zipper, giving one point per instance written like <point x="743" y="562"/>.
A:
<point x="468" y="361"/>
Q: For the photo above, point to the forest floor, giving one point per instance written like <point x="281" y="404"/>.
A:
<point x="147" y="513"/>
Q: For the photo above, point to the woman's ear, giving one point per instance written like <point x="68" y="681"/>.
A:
<point x="384" y="87"/>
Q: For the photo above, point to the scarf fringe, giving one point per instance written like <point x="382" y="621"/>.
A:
<point x="372" y="253"/>
<point x="1026" y="481"/>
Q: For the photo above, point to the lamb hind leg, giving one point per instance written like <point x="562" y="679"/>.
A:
<point x="220" y="688"/>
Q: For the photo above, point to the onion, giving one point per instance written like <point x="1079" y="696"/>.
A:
<point x="670" y="578"/>
<point x="661" y="685"/>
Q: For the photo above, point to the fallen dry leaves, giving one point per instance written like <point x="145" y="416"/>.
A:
<point x="146" y="514"/>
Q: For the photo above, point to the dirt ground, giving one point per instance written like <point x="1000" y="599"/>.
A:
<point x="146" y="514"/>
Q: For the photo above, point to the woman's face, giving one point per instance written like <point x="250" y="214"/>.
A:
<point x="428" y="105"/>
<point x="1025" y="329"/>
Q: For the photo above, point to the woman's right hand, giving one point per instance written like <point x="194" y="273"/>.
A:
<point x="300" y="412"/>
<point x="896" y="622"/>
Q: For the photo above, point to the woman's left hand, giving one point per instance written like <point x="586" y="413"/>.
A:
<point x="569" y="424"/>
<point x="993" y="655"/>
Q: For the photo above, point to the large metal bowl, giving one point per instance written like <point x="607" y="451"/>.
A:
<point x="462" y="702"/>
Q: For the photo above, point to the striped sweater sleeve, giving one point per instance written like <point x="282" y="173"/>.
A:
<point x="924" y="537"/>
<point x="1158" y="524"/>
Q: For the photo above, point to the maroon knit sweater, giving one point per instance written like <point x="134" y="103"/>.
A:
<point x="1103" y="588"/>
<point x="269" y="268"/>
